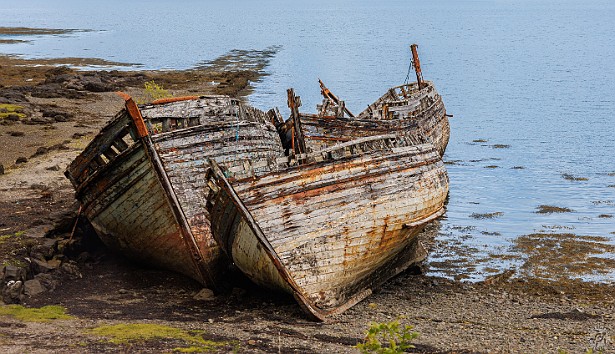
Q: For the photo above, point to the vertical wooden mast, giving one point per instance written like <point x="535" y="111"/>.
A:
<point x="417" y="65"/>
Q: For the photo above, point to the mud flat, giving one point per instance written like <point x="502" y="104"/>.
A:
<point x="59" y="110"/>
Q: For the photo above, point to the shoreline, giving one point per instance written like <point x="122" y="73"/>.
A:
<point x="500" y="314"/>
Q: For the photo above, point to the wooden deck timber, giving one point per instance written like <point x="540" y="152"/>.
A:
<point x="402" y="109"/>
<point x="330" y="232"/>
<point x="146" y="196"/>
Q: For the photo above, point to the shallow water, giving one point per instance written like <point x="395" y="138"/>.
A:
<point x="531" y="85"/>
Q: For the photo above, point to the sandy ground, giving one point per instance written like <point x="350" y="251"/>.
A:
<point x="500" y="315"/>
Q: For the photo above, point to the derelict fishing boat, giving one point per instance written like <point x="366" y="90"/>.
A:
<point x="141" y="181"/>
<point x="414" y="109"/>
<point x="334" y="227"/>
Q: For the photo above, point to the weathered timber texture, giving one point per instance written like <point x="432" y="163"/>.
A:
<point x="240" y="139"/>
<point x="338" y="227"/>
<point x="130" y="212"/>
<point x="403" y="110"/>
<point x="147" y="198"/>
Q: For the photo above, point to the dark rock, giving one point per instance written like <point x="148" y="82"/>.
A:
<point x="33" y="287"/>
<point x="1" y="169"/>
<point x="58" y="74"/>
<point x="12" y="272"/>
<point x="13" y="117"/>
<point x="21" y="160"/>
<point x="205" y="295"/>
<point x="71" y="270"/>
<point x="53" y="90"/>
<point x="63" y="220"/>
<point x="16" y="133"/>
<point x="53" y="168"/>
<point x="40" y="266"/>
<point x="40" y="151"/>
<point x="61" y="118"/>
<point x="40" y="120"/>
<point x="12" y="292"/>
<point x="94" y="84"/>
<point x="12" y="96"/>
<point x="53" y="111"/>
<point x="47" y="247"/>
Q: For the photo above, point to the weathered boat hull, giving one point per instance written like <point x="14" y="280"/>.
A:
<point x="329" y="232"/>
<point x="145" y="194"/>
<point x="405" y="110"/>
<point x="422" y="108"/>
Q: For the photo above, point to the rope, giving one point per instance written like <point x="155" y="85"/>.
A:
<point x="408" y="74"/>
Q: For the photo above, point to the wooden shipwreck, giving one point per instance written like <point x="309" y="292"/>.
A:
<point x="141" y="181"/>
<point x="335" y="227"/>
<point x="325" y="207"/>
<point x="414" y="109"/>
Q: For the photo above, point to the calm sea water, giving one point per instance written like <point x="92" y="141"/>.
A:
<point x="531" y="85"/>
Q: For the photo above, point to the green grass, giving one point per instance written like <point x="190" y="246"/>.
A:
<point x="43" y="314"/>
<point x="125" y="333"/>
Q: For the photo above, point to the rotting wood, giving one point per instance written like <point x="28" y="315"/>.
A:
<point x="144" y="192"/>
<point x="329" y="230"/>
<point x="323" y="206"/>
<point x="405" y="110"/>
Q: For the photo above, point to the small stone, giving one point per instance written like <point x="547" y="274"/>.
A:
<point x="251" y="342"/>
<point x="33" y="287"/>
<point x="46" y="247"/>
<point x="13" y="117"/>
<point x="122" y="291"/>
<point x="21" y="160"/>
<point x="61" y="118"/>
<point x="54" y="262"/>
<point x="47" y="281"/>
<point x="40" y="266"/>
<point x="71" y="270"/>
<point x="211" y="320"/>
<point x="53" y="168"/>
<point x="12" y="272"/>
<point x="41" y="151"/>
<point x="16" y="133"/>
<point x="1" y="169"/>
<point x="12" y="292"/>
<point x="204" y="295"/>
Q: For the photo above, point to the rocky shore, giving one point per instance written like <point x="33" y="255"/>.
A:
<point x="50" y="256"/>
